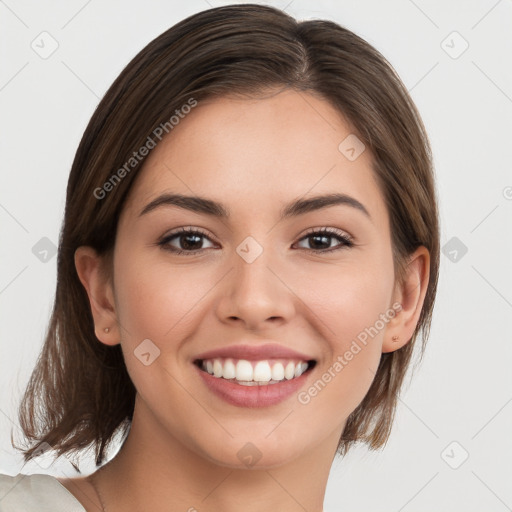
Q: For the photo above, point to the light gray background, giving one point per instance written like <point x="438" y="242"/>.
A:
<point x="462" y="391"/>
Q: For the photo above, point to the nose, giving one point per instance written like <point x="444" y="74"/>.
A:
<point x="256" y="295"/>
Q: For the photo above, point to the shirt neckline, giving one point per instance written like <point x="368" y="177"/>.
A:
<point x="69" y="493"/>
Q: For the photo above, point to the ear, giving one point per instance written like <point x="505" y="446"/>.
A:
<point x="91" y="272"/>
<point x="410" y="295"/>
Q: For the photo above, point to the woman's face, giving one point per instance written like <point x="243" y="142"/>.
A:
<point x="254" y="278"/>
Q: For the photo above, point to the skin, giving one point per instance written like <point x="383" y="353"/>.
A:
<point x="254" y="156"/>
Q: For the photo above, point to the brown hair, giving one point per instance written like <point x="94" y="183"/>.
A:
<point x="80" y="394"/>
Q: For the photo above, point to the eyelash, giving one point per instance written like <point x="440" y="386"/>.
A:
<point x="346" y="241"/>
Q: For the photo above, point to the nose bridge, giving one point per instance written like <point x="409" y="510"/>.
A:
<point x="253" y="292"/>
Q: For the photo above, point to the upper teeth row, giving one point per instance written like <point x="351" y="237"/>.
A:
<point x="262" y="371"/>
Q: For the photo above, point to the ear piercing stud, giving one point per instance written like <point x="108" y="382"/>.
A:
<point x="106" y="329"/>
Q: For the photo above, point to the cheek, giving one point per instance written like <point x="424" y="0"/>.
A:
<point x="347" y="298"/>
<point x="155" y="299"/>
<point x="351" y="308"/>
<point x="159" y="302"/>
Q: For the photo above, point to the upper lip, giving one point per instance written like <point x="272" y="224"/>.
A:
<point x="254" y="352"/>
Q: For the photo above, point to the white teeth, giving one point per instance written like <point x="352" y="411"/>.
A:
<point x="300" y="369"/>
<point x="243" y="370"/>
<point x="278" y="371"/>
<point x="254" y="373"/>
<point x="229" y="371"/>
<point x="217" y="368"/>
<point x="262" y="372"/>
<point x="289" y="371"/>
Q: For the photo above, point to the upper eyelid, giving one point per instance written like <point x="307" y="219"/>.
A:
<point x="329" y="231"/>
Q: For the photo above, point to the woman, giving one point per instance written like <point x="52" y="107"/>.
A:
<point x="249" y="253"/>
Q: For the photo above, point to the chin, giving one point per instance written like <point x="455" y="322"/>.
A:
<point x="257" y="452"/>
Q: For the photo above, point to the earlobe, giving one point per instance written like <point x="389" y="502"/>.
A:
<point x="410" y="295"/>
<point x="99" y="290"/>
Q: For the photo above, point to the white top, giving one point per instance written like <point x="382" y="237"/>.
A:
<point x="36" y="493"/>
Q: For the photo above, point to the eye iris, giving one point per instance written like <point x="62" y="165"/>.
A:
<point x="188" y="244"/>
<point x="325" y="240"/>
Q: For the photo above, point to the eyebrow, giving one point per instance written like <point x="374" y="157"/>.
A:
<point x="295" y="208"/>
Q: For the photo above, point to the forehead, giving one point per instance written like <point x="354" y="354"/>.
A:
<point x="240" y="151"/>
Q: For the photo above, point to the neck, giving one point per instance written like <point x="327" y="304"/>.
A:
<point x="154" y="471"/>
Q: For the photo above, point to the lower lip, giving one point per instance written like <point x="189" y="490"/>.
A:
<point x="253" y="396"/>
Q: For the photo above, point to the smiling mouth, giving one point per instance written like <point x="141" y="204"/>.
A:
<point x="255" y="373"/>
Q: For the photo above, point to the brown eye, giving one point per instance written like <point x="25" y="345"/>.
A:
<point x="185" y="240"/>
<point x="321" y="240"/>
